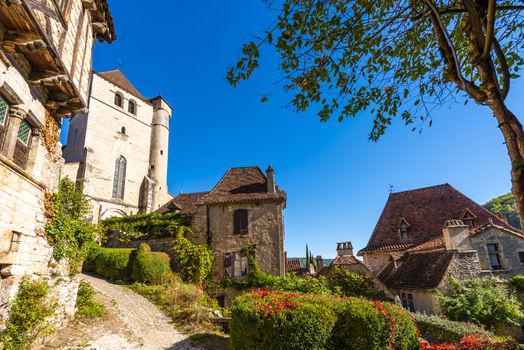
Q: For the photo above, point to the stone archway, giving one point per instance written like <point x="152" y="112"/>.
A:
<point x="112" y="212"/>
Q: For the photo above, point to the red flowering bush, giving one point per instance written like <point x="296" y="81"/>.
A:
<point x="472" y="342"/>
<point x="265" y="319"/>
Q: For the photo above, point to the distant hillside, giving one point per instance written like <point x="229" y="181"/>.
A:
<point x="506" y="205"/>
<point x="303" y="261"/>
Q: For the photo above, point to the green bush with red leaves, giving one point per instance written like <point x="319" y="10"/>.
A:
<point x="265" y="319"/>
<point x="473" y="342"/>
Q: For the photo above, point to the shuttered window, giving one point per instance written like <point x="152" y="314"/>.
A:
<point x="24" y="132"/>
<point x="119" y="179"/>
<point x="118" y="100"/>
<point x="235" y="265"/>
<point x="3" y="111"/>
<point x="23" y="144"/>
<point x="240" y="220"/>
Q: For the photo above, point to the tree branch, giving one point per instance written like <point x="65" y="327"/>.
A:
<point x="503" y="66"/>
<point x="490" y="28"/>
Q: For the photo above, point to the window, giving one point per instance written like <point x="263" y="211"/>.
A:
<point x="240" y="220"/>
<point x="407" y="301"/>
<point x="119" y="100"/>
<point x="403" y="229"/>
<point x="119" y="178"/>
<point x="131" y="107"/>
<point x="3" y="111"/>
<point x="521" y="257"/>
<point x="24" y="131"/>
<point x="494" y="256"/>
<point x="235" y="265"/>
<point x="123" y="130"/>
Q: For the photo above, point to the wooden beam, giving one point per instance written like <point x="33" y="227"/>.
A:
<point x="89" y="5"/>
<point x="10" y="2"/>
<point x="46" y="78"/>
<point x="30" y="41"/>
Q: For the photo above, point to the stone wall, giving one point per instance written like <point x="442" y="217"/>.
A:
<point x="376" y="260"/>
<point x="266" y="234"/>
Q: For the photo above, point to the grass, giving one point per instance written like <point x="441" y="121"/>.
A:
<point x="86" y="306"/>
<point x="189" y="307"/>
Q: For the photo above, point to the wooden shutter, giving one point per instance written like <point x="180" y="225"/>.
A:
<point x="240" y="222"/>
<point x="228" y="264"/>
<point x="23" y="145"/>
<point x="3" y="119"/>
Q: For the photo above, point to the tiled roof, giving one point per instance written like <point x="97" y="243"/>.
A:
<point x="293" y="265"/>
<point x="435" y="243"/>
<point x="185" y="202"/>
<point x="417" y="271"/>
<point x="243" y="184"/>
<point x="345" y="260"/>
<point x="426" y="210"/>
<point x="119" y="79"/>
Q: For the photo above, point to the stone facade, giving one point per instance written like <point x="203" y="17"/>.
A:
<point x="121" y="126"/>
<point x="244" y="209"/>
<point x="44" y="66"/>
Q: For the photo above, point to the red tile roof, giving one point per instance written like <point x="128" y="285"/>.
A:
<point x="185" y="202"/>
<point x="118" y="78"/>
<point x="293" y="265"/>
<point x="421" y="271"/>
<point x="426" y="210"/>
<point x="245" y="184"/>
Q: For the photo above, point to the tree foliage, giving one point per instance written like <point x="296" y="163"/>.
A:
<point x="506" y="205"/>
<point x="67" y="230"/>
<point x="192" y="261"/>
<point x="382" y="56"/>
<point x="483" y="301"/>
<point x="346" y="283"/>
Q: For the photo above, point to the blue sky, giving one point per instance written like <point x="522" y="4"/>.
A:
<point x="337" y="182"/>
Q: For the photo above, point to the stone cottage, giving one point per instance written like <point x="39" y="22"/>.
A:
<point x="45" y="66"/>
<point x="119" y="148"/>
<point x="425" y="236"/>
<point x="243" y="210"/>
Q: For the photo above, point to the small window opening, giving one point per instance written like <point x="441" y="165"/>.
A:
<point x="152" y="167"/>
<point x="240" y="219"/>
<point x="131" y="107"/>
<point x="521" y="257"/>
<point x="161" y="152"/>
<point x="407" y="301"/>
<point x="119" y="99"/>
<point x="469" y="218"/>
<point x="123" y="130"/>
<point x="494" y="256"/>
<point x="403" y="229"/>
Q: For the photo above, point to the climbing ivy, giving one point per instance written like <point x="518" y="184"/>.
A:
<point x="193" y="261"/>
<point x="66" y="228"/>
<point x="144" y="226"/>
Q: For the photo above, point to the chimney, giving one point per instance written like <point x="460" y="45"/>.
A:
<point x="502" y="216"/>
<point x="456" y="235"/>
<point x="271" y="188"/>
<point x="320" y="263"/>
<point x="344" y="248"/>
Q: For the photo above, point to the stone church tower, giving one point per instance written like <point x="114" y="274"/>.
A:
<point x="119" y="149"/>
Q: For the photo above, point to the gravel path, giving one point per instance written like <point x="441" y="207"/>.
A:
<point x="133" y="323"/>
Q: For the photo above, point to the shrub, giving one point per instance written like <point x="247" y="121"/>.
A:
<point x="150" y="267"/>
<point x="436" y="329"/>
<point x="113" y="263"/>
<point x="483" y="301"/>
<point x="85" y="304"/>
<point x="28" y="315"/>
<point x="518" y="283"/>
<point x="267" y="319"/>
<point x="346" y="283"/>
<point x="193" y="261"/>
<point x="187" y="305"/>
<point x="92" y="251"/>
<point x="473" y="342"/>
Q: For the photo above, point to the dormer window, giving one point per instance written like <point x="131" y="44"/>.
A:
<point x="403" y="229"/>
<point x="131" y="107"/>
<point x="469" y="218"/>
<point x="119" y="99"/>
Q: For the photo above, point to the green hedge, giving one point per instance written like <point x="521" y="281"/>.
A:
<point x="140" y="265"/>
<point x="150" y="267"/>
<point x="266" y="319"/>
<point x="436" y="329"/>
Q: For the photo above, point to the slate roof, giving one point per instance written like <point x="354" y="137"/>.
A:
<point x="426" y="210"/>
<point x="244" y="184"/>
<point x="185" y="202"/>
<point x="421" y="271"/>
<point x="119" y="79"/>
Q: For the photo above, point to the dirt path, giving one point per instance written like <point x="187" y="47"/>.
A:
<point x="132" y="323"/>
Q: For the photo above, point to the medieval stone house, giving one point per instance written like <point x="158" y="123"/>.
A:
<point x="45" y="65"/>
<point x="425" y="236"/>
<point x="243" y="210"/>
<point x="119" y="149"/>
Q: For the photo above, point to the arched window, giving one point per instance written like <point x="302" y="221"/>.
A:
<point x="131" y="107"/>
<point x="240" y="219"/>
<point x="123" y="130"/>
<point x="119" y="99"/>
<point x="119" y="180"/>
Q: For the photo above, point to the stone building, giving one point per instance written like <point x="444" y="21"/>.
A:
<point x="425" y="236"/>
<point x="120" y="148"/>
<point x="243" y="210"/>
<point x="45" y="64"/>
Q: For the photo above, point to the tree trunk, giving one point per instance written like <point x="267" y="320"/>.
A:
<point x="514" y="138"/>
